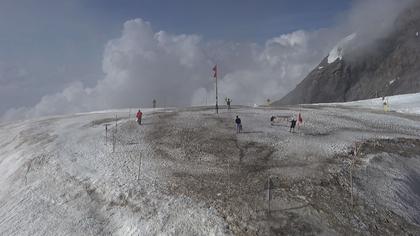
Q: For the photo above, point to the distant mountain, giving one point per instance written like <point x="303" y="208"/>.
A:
<point x="390" y="66"/>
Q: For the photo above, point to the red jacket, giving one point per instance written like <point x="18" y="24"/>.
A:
<point x="139" y="114"/>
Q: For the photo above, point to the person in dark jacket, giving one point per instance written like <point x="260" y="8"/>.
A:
<point x="292" y="125"/>
<point x="238" y="124"/>
<point x="139" y="116"/>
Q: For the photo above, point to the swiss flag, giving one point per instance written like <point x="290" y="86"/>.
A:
<point x="215" y="71"/>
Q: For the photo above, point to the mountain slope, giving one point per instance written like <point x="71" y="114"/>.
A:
<point x="389" y="66"/>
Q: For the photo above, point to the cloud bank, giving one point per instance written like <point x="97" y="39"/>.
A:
<point x="144" y="64"/>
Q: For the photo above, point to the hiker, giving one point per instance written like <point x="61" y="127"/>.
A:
<point x="238" y="125"/>
<point x="386" y="105"/>
<point x="228" y="101"/>
<point x="299" y="120"/>
<point x="154" y="103"/>
<point x="139" y="115"/>
<point x="292" y="125"/>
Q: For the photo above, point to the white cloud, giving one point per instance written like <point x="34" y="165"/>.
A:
<point x="144" y="64"/>
<point x="276" y="69"/>
<point x="297" y="38"/>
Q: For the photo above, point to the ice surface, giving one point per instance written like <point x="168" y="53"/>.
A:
<point x="59" y="178"/>
<point x="197" y="176"/>
<point x="406" y="103"/>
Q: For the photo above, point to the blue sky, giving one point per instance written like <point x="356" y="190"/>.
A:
<point x="52" y="29"/>
<point x="244" y="20"/>
<point x="47" y="44"/>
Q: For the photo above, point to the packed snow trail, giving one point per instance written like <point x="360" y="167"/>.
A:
<point x="186" y="172"/>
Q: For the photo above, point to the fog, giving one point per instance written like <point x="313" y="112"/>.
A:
<point x="371" y="21"/>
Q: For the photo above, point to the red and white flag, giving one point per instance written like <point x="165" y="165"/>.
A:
<point x="300" y="119"/>
<point x="215" y="71"/>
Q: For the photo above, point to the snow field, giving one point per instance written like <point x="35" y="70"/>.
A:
<point x="406" y="103"/>
<point x="75" y="185"/>
<point x="197" y="177"/>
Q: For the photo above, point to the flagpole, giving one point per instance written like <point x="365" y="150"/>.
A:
<point x="217" y="98"/>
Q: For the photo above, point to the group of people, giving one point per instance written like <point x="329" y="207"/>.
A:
<point x="238" y="121"/>
<point x="293" y="122"/>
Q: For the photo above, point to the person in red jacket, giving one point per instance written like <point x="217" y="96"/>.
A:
<point x="139" y="115"/>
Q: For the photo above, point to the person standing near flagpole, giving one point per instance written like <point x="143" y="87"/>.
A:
<point x="228" y="101"/>
<point x="217" y="98"/>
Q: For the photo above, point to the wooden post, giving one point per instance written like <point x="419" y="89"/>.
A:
<point x="113" y="141"/>
<point x="217" y="97"/>
<point x="351" y="175"/>
<point x="269" y="194"/>
<point x="106" y="134"/>
<point x="116" y="124"/>
<point x="228" y="173"/>
<point x="351" y="186"/>
<point x="115" y="134"/>
<point x="139" y="171"/>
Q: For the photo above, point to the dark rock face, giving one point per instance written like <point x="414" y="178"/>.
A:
<point x="391" y="66"/>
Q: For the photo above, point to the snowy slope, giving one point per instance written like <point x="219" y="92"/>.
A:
<point x="59" y="178"/>
<point x="186" y="172"/>
<point x="407" y="103"/>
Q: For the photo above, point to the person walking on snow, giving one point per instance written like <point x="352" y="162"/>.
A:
<point x="139" y="115"/>
<point x="292" y="125"/>
<point x="238" y="125"/>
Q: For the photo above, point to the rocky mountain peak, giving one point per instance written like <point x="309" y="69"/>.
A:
<point x="390" y="65"/>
